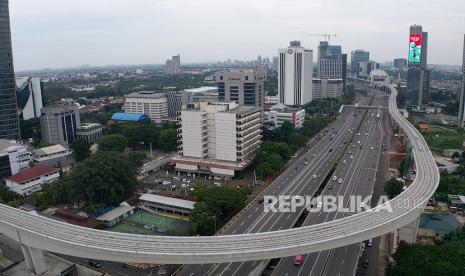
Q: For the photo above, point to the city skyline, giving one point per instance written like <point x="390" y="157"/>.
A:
<point x="71" y="34"/>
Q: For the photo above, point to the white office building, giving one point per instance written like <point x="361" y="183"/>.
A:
<point x="279" y="113"/>
<point x="218" y="138"/>
<point x="295" y="75"/>
<point x="13" y="157"/>
<point x="154" y="105"/>
<point x="32" y="179"/>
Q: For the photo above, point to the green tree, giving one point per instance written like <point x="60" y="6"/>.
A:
<point x="113" y="142"/>
<point x="283" y="132"/>
<point x="393" y="187"/>
<point x="9" y="197"/>
<point x="104" y="178"/>
<point x="80" y="149"/>
<point x="168" y="140"/>
<point x="30" y="128"/>
<point x="202" y="220"/>
<point x="446" y="257"/>
<point x="136" y="135"/>
<point x="275" y="161"/>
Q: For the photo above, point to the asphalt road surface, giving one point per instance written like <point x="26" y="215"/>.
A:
<point x="298" y="179"/>
<point x="358" y="176"/>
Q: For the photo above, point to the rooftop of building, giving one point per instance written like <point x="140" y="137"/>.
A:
<point x="5" y="144"/>
<point x="130" y="117"/>
<point x="146" y="94"/>
<point x="201" y="89"/>
<point x="186" y="204"/>
<point x="32" y="173"/>
<point x="443" y="224"/>
<point x="58" y="109"/>
<point x="89" y="125"/>
<point x="115" y="213"/>
<point x="49" y="150"/>
<point x="279" y="107"/>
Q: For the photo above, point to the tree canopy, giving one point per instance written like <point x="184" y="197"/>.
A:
<point x="447" y="257"/>
<point x="105" y="178"/>
<point x="113" y="142"/>
<point x="393" y="187"/>
<point x="80" y="149"/>
<point x="215" y="203"/>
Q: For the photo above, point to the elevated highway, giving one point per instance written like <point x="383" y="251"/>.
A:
<point x="36" y="233"/>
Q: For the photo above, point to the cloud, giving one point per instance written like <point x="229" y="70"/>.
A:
<point x="57" y="33"/>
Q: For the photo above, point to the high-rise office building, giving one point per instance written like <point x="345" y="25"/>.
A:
<point x="173" y="65"/>
<point x="462" y="90"/>
<point x="365" y="68"/>
<point x="154" y="105"/>
<point x="275" y="64"/>
<point x="29" y="94"/>
<point x="418" y="77"/>
<point x="332" y="66"/>
<point x="400" y="63"/>
<point x="295" y="75"/>
<point x="245" y="87"/>
<point x="59" y="125"/>
<point x="358" y="56"/>
<point x="9" y="123"/>
<point x="218" y="138"/>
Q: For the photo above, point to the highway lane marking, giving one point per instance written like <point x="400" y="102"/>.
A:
<point x="298" y="182"/>
<point x="314" y="166"/>
<point x="364" y="153"/>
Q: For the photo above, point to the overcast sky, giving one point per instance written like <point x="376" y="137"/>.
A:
<point x="61" y="33"/>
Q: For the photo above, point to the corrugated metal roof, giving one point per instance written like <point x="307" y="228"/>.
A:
<point x="49" y="150"/>
<point x="115" y="213"/>
<point x="32" y="173"/>
<point x="169" y="201"/>
<point x="130" y="117"/>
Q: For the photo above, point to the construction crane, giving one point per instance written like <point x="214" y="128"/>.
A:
<point x="326" y="36"/>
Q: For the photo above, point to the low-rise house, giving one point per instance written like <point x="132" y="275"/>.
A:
<point x="90" y="132"/>
<point x="55" y="156"/>
<point x="32" y="179"/>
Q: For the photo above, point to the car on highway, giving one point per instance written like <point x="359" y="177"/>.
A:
<point x="366" y="133"/>
<point x="298" y="260"/>
<point x="351" y="157"/>
<point x="339" y="181"/>
<point x="306" y="163"/>
<point x="358" y="142"/>
<point x="330" y="150"/>
<point x="371" y="147"/>
<point x="315" y="176"/>
<point x="335" y="178"/>
<point x="344" y="162"/>
<point x="261" y="200"/>
<point x="95" y="263"/>
<point x="365" y="263"/>
<point x="330" y="186"/>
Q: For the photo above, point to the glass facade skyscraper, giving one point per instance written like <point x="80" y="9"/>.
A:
<point x="9" y="124"/>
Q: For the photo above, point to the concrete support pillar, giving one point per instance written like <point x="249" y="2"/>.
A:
<point x="408" y="233"/>
<point x="34" y="259"/>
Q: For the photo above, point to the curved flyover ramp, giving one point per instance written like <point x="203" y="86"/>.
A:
<point x="43" y="233"/>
